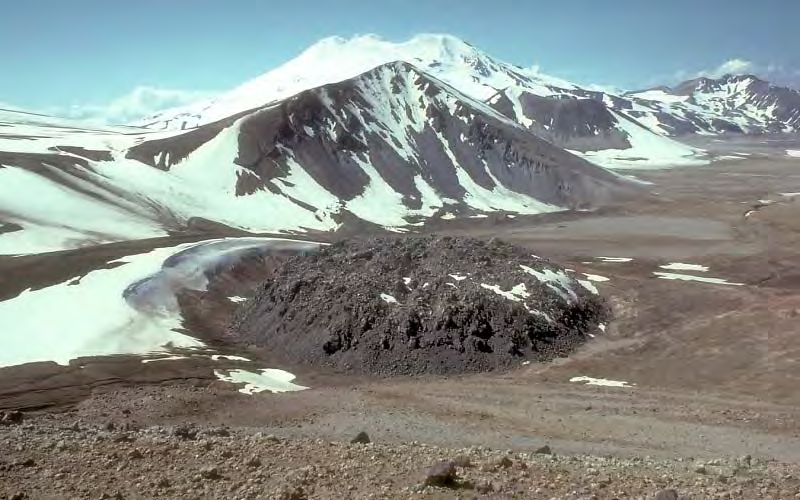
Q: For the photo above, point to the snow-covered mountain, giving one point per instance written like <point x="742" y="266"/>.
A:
<point x="596" y="123"/>
<point x="733" y="103"/>
<point x="335" y="59"/>
<point x="393" y="147"/>
<point x="359" y="132"/>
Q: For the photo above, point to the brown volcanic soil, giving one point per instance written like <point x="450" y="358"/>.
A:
<point x="714" y="366"/>
<point x="411" y="306"/>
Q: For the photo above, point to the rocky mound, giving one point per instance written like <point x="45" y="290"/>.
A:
<point x="420" y="305"/>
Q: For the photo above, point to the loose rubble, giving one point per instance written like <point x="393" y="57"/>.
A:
<point x="44" y="458"/>
<point x="426" y="305"/>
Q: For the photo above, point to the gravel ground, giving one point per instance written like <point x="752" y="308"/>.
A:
<point x="55" y="457"/>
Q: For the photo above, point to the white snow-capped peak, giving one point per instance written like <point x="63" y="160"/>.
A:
<point x="424" y="46"/>
<point x="335" y="59"/>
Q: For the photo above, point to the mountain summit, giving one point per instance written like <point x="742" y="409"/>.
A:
<point x="335" y="59"/>
<point x="586" y="121"/>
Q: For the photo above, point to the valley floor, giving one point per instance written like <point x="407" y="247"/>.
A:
<point x="711" y="364"/>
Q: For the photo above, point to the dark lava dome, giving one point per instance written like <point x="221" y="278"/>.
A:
<point x="410" y="306"/>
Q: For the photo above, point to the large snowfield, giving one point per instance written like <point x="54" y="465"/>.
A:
<point x="88" y="316"/>
<point x="128" y="308"/>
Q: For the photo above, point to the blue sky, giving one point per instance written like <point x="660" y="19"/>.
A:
<point x="57" y="53"/>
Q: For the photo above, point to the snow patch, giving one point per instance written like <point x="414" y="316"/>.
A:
<point x="269" y="379"/>
<point x="596" y="277"/>
<point x="516" y="294"/>
<point x="214" y="357"/>
<point x="601" y="382"/>
<point x="558" y="281"/>
<point x="615" y="259"/>
<point x="168" y="358"/>
<point x="680" y="266"/>
<point x="388" y="298"/>
<point x="588" y="285"/>
<point x="688" y="277"/>
<point x="227" y="357"/>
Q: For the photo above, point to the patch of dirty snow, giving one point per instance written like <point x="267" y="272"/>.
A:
<point x="169" y="358"/>
<point x="602" y="327"/>
<point x="588" y="285"/>
<point x="236" y="299"/>
<point x="680" y="266"/>
<point x="388" y="298"/>
<point x="793" y="152"/>
<point x="457" y="277"/>
<point x="539" y="313"/>
<point x="214" y="357"/>
<point x="516" y="294"/>
<point x="596" y="277"/>
<point x="615" y="259"/>
<point x="557" y="281"/>
<point x="601" y="382"/>
<point x="270" y="379"/>
<point x="226" y="357"/>
<point x="703" y="279"/>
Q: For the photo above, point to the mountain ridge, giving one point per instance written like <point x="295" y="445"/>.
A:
<point x="392" y="148"/>
<point x="744" y="104"/>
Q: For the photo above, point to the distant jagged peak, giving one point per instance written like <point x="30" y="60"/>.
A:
<point x="708" y="84"/>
